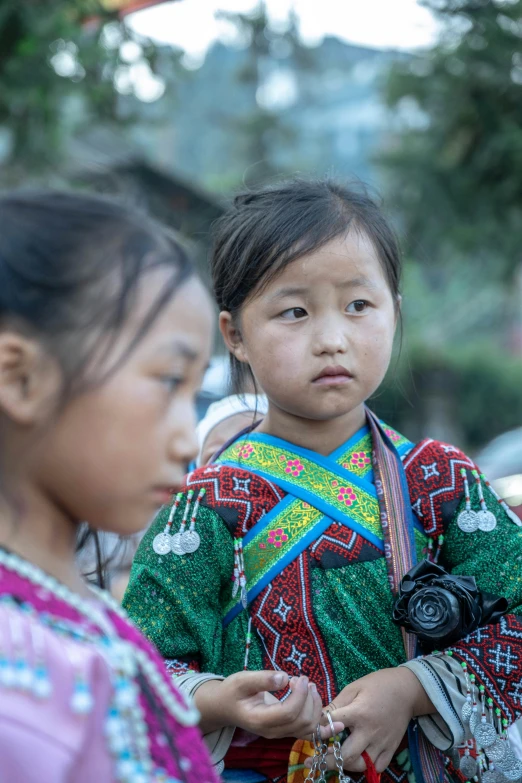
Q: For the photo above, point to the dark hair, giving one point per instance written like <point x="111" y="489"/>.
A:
<point x="70" y="270"/>
<point x="266" y="229"/>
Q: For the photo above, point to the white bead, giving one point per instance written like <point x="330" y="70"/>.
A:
<point x="82" y="702"/>
<point x="7" y="677"/>
<point x="42" y="687"/>
<point x="24" y="678"/>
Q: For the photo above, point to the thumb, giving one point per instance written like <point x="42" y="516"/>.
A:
<point x="249" y="683"/>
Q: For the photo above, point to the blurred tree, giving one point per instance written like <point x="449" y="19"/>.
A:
<point x="455" y="164"/>
<point x="261" y="130"/>
<point x="64" y="65"/>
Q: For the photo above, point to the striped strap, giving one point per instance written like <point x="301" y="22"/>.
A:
<point x="399" y="547"/>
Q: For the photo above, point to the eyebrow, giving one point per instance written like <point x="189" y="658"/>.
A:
<point x="355" y="282"/>
<point x="180" y="348"/>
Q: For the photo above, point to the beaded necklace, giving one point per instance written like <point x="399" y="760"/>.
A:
<point x="125" y="725"/>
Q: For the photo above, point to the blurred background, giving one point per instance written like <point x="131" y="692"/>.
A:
<point x="173" y="105"/>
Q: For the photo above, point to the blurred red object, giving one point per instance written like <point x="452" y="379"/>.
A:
<point x="123" y="7"/>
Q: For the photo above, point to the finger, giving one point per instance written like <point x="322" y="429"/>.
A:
<point x="342" y="715"/>
<point x="329" y="760"/>
<point x="250" y="683"/>
<point x="285" y="714"/>
<point x="312" y="714"/>
<point x="326" y="731"/>
<point x="351" y="751"/>
<point x="382" y="760"/>
<point x="348" y="695"/>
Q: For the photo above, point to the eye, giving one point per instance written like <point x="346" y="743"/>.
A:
<point x="359" y="306"/>
<point x="171" y="382"/>
<point x="294" y="314"/>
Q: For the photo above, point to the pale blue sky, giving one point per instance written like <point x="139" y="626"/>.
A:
<point x="191" y="24"/>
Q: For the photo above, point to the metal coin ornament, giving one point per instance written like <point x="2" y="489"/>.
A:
<point x="485" y="734"/>
<point x="161" y="544"/>
<point x="467" y="521"/>
<point x="190" y="542"/>
<point x="473" y="721"/>
<point x="487" y="521"/>
<point x="175" y="545"/>
<point x="514" y="772"/>
<point x="491" y="776"/>
<point x="468" y="766"/>
<point x="497" y="750"/>
<point x="467" y="710"/>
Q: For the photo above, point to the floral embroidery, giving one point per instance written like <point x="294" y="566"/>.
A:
<point x="294" y="467"/>
<point x="277" y="537"/>
<point x="346" y="495"/>
<point x="360" y="459"/>
<point x="392" y="435"/>
<point x="246" y="451"/>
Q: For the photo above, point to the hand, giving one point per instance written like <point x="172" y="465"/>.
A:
<point x="377" y="710"/>
<point x="244" y="700"/>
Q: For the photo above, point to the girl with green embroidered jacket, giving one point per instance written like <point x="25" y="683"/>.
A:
<point x="307" y="279"/>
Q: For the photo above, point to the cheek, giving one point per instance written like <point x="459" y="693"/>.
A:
<point x="116" y="431"/>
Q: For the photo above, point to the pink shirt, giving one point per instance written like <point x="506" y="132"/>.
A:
<point x="43" y="740"/>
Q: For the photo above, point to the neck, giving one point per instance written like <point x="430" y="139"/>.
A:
<point x="41" y="534"/>
<point x="323" y="437"/>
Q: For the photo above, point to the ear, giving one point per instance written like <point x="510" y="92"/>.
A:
<point x="29" y="380"/>
<point x="232" y="336"/>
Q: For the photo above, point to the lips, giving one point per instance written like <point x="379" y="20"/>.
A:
<point x="166" y="493"/>
<point x="332" y="375"/>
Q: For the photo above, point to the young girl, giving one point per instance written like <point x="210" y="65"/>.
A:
<point x="104" y="336"/>
<point x="289" y="551"/>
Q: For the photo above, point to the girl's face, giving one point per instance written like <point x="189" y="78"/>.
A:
<point x="319" y="336"/>
<point x="116" y="452"/>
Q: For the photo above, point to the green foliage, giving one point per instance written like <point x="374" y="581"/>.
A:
<point x="61" y="62"/>
<point x="455" y="167"/>
<point x="479" y="386"/>
<point x="261" y="128"/>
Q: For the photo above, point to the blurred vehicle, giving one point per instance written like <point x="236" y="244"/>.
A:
<point x="501" y="461"/>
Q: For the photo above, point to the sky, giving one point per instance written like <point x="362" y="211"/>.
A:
<point x="191" y="24"/>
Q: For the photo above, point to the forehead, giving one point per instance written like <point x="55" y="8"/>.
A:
<point x="347" y="258"/>
<point x="184" y="325"/>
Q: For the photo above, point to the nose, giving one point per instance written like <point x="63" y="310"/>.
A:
<point x="183" y="444"/>
<point x="331" y="335"/>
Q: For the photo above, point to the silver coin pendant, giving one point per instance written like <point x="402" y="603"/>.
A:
<point x="467" y="521"/>
<point x="485" y="734"/>
<point x="175" y="545"/>
<point x="513" y="772"/>
<point x="497" y="750"/>
<point x="487" y="521"/>
<point x="467" y="711"/>
<point x="161" y="544"/>
<point x="190" y="541"/>
<point x="468" y="766"/>
<point x="491" y="776"/>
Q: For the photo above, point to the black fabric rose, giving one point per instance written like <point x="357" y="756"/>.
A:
<point x="441" y="608"/>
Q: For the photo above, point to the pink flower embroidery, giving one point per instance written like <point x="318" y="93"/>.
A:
<point x="277" y="537"/>
<point x="392" y="435"/>
<point x="262" y="546"/>
<point x="294" y="467"/>
<point x="360" y="459"/>
<point x="246" y="451"/>
<point x="346" y="495"/>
